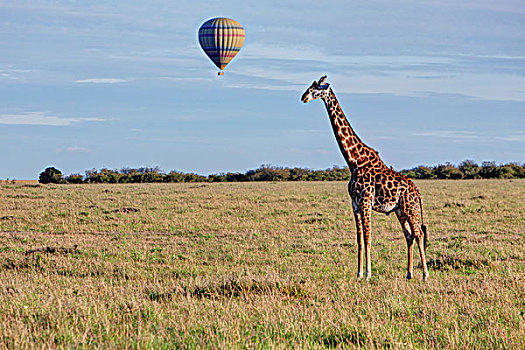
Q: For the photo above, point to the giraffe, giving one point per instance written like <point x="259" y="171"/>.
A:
<point x="373" y="185"/>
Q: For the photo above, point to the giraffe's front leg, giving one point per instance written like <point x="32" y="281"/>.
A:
<point x="366" y="216"/>
<point x="410" y="249"/>
<point x="360" y="245"/>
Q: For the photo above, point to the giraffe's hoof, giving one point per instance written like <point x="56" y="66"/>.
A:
<point x="359" y="276"/>
<point x="409" y="276"/>
<point x="425" y="276"/>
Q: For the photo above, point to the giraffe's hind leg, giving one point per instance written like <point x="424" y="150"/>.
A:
<point x="419" y="235"/>
<point x="409" y="237"/>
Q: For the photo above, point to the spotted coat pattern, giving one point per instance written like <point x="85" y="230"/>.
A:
<point x="373" y="185"/>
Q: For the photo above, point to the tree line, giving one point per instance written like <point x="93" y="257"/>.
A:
<point x="468" y="169"/>
<point x="465" y="170"/>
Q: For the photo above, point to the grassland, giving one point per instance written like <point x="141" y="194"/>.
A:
<point x="255" y="265"/>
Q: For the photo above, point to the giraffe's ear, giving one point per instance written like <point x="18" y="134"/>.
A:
<point x="321" y="80"/>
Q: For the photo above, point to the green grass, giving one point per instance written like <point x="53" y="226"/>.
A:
<point x="256" y="265"/>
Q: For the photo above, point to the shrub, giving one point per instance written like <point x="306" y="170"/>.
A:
<point x="470" y="169"/>
<point x="467" y="169"/>
<point x="74" y="179"/>
<point x="448" y="171"/>
<point x="51" y="175"/>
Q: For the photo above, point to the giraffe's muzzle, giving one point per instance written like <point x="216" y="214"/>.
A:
<point x="305" y="98"/>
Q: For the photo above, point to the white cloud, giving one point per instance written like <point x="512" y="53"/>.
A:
<point x="14" y="74"/>
<point x="187" y="79"/>
<point x="509" y="6"/>
<point x="103" y="81"/>
<point x="451" y="134"/>
<point x="495" y="77"/>
<point x="73" y="150"/>
<point x="409" y="80"/>
<point x="513" y="138"/>
<point x="309" y="151"/>
<point x="309" y="131"/>
<point x="311" y="53"/>
<point x="467" y="135"/>
<point x="482" y="86"/>
<point x="40" y="118"/>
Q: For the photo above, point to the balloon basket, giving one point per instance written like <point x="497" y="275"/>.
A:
<point x="220" y="73"/>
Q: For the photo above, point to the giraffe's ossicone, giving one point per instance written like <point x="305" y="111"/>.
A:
<point x="373" y="185"/>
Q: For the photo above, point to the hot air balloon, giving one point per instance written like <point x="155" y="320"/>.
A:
<point x="221" y="39"/>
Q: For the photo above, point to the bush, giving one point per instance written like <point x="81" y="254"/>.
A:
<point x="448" y="171"/>
<point x="470" y="169"/>
<point x="420" y="172"/>
<point x="74" y="179"/>
<point x="51" y="175"/>
<point x="467" y="169"/>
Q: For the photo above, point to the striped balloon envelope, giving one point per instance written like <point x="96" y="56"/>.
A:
<point x="221" y="39"/>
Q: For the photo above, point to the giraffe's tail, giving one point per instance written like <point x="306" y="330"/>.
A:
<point x="423" y="227"/>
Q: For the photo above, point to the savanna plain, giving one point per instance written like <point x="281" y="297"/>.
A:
<point x="256" y="265"/>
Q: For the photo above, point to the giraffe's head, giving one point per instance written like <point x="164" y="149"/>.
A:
<point x="318" y="89"/>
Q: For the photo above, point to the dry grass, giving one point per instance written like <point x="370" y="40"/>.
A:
<point x="255" y="265"/>
<point x="32" y="182"/>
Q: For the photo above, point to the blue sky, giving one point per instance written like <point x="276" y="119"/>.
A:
<point x="92" y="84"/>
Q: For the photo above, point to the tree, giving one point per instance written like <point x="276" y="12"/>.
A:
<point x="518" y="170"/>
<point x="470" y="169"/>
<point x="51" y="175"/>
<point x="74" y="179"/>
<point x="420" y="172"/>
<point x="489" y="170"/>
<point x="447" y="171"/>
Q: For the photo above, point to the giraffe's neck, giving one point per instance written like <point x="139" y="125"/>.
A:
<point x="351" y="146"/>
